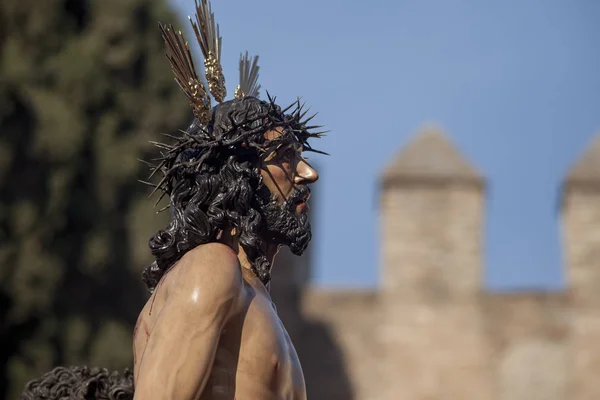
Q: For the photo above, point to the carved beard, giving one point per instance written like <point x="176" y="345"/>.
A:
<point x="283" y="225"/>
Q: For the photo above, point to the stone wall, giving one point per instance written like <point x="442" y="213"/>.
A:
<point x="430" y="332"/>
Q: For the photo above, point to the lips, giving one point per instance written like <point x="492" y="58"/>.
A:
<point x="301" y="197"/>
<point x="300" y="200"/>
<point x="302" y="207"/>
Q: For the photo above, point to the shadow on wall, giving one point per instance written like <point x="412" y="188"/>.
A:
<point x="323" y="363"/>
<point x="320" y="355"/>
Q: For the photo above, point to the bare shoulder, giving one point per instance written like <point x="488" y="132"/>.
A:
<point x="208" y="275"/>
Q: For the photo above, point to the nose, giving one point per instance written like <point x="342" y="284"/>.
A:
<point x="305" y="173"/>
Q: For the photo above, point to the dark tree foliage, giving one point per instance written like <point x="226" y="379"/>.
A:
<point x="84" y="85"/>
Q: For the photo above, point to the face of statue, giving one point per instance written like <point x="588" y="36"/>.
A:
<point x="287" y="175"/>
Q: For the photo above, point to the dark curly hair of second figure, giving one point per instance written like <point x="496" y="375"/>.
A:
<point x="80" y="383"/>
<point x="213" y="177"/>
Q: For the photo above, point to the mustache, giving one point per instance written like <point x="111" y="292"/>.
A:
<point x="300" y="193"/>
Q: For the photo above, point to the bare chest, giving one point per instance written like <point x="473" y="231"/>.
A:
<point x="255" y="357"/>
<point x="266" y="362"/>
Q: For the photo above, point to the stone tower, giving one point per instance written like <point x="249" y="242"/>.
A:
<point x="431" y="211"/>
<point x="580" y="214"/>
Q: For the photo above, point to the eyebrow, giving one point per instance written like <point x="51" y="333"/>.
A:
<point x="298" y="147"/>
<point x="283" y="144"/>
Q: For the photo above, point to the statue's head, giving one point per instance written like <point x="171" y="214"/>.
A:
<point x="239" y="167"/>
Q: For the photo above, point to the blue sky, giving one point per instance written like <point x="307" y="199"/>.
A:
<point x="515" y="84"/>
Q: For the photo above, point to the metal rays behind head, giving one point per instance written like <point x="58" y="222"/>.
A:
<point x="248" y="77"/>
<point x="182" y="64"/>
<point x="207" y="34"/>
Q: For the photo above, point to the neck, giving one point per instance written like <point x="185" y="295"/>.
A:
<point x="232" y="240"/>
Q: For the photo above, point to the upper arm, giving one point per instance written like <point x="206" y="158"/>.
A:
<point x="181" y="349"/>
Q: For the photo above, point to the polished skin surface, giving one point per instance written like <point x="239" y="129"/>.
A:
<point x="210" y="329"/>
<point x="216" y="338"/>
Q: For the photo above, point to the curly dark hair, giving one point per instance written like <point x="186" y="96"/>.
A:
<point x="212" y="177"/>
<point x="80" y="383"/>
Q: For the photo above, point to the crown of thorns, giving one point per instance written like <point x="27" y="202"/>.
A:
<point x="203" y="142"/>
